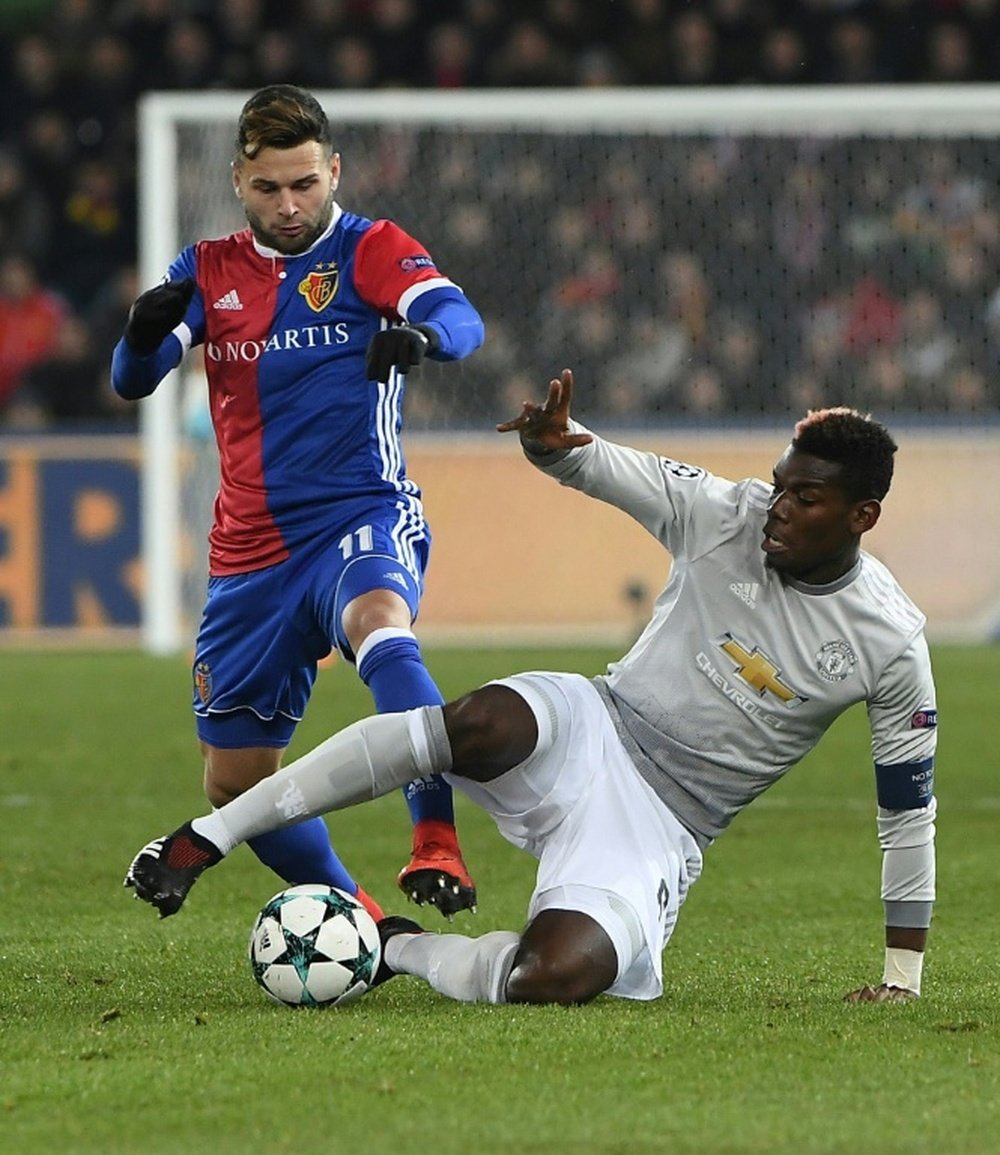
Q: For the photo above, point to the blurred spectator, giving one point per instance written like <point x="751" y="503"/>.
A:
<point x="394" y="28"/>
<point x="882" y="384"/>
<point x="452" y="60"/>
<point x="30" y="319"/>
<point x="872" y="317"/>
<point x="929" y="349"/>
<point x="644" y="375"/>
<point x="351" y="63"/>
<point x="578" y="311"/>
<point x="693" y="51"/>
<point x="868" y="233"/>
<point x="941" y="207"/>
<point x="37" y="82"/>
<point x="527" y="57"/>
<point x="104" y="90"/>
<point x="965" y="392"/>
<point x="187" y="57"/>
<point x="576" y="25"/>
<point x="319" y="26"/>
<point x="852" y="53"/>
<point x="275" y="57"/>
<point x="981" y="20"/>
<point x="802" y="232"/>
<point x="641" y="36"/>
<point x="145" y="24"/>
<point x="703" y="394"/>
<point x="95" y="232"/>
<point x="686" y="295"/>
<point x="738" y="27"/>
<point x="735" y="351"/>
<point x="783" y="57"/>
<point x="965" y="284"/>
<point x="66" y="384"/>
<point x="25" y="217"/>
<point x="237" y="28"/>
<point x="71" y="26"/>
<point x="950" y="55"/>
<point x="818" y="363"/>
<point x="900" y="29"/>
<point x="598" y="67"/>
<point x="105" y="316"/>
<point x="49" y="151"/>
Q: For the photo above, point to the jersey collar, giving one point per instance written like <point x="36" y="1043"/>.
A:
<point x="274" y="255"/>
<point x="833" y="587"/>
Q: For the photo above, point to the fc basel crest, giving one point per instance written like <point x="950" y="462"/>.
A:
<point x="319" y="287"/>
<point x="203" y="681"/>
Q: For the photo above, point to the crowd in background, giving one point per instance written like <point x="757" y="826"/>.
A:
<point x="889" y="274"/>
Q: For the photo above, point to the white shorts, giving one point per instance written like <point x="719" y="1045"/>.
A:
<point x="606" y="845"/>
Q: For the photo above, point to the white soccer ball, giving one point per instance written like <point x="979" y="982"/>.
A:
<point x="314" y="946"/>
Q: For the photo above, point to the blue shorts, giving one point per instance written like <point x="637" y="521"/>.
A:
<point x="262" y="633"/>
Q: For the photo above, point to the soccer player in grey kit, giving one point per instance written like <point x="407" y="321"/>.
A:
<point x="773" y="622"/>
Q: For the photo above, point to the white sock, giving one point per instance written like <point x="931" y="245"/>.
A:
<point x="373" y="757"/>
<point x="212" y="827"/>
<point x="472" y="970"/>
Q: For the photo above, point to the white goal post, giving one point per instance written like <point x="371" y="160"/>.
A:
<point x="184" y="194"/>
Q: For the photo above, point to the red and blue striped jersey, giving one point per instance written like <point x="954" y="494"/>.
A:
<point x="301" y="431"/>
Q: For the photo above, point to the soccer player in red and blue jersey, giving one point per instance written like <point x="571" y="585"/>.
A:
<point x="309" y="320"/>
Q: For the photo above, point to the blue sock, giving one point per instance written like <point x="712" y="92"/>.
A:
<point x="390" y="665"/>
<point x="302" y="853"/>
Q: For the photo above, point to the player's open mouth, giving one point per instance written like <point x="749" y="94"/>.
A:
<point x="772" y="544"/>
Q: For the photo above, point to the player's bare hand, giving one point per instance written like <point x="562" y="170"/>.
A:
<point x="880" y="994"/>
<point x="548" y="425"/>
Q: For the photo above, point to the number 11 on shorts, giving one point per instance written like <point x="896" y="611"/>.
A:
<point x="363" y="534"/>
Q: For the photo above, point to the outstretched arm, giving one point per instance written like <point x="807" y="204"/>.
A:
<point x="545" y="428"/>
<point x="908" y="873"/>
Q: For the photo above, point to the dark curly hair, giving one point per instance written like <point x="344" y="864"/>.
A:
<point x="280" y="116"/>
<point x="855" y="441"/>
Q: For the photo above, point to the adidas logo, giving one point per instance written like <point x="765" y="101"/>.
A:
<point x="746" y="592"/>
<point x="398" y="578"/>
<point x="230" y="300"/>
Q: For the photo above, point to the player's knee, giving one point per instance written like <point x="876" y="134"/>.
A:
<point x="490" y="730"/>
<point x="229" y="773"/>
<point x="565" y="957"/>
<point x="219" y="793"/>
<point x="373" y="610"/>
<point x="563" y="980"/>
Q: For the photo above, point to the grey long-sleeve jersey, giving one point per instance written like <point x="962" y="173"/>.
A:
<point x="740" y="672"/>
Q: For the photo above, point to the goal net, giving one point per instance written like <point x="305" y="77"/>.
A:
<point x="710" y="263"/>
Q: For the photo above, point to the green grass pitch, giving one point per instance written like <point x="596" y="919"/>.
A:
<point x="121" y="1033"/>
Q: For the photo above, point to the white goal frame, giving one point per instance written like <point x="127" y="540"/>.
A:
<point x="904" y="111"/>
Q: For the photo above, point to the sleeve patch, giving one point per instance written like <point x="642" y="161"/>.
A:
<point x="906" y="786"/>
<point x="924" y="720"/>
<point x="681" y="470"/>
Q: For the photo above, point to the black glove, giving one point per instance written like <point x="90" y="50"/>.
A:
<point x="400" y="348"/>
<point x="156" y="313"/>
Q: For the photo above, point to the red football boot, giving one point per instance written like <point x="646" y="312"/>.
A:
<point x="436" y="873"/>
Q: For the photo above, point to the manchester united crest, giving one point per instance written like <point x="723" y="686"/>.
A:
<point x="319" y="286"/>
<point x="836" y="661"/>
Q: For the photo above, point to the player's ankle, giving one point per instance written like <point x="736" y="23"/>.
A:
<point x="434" y="830"/>
<point x="213" y="829"/>
<point x="370" y="904"/>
